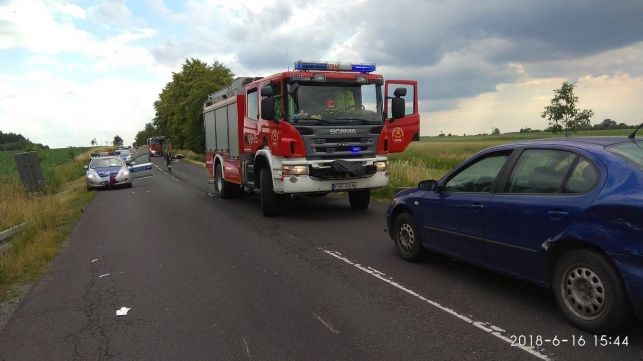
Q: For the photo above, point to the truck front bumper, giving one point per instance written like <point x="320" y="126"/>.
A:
<point x="306" y="184"/>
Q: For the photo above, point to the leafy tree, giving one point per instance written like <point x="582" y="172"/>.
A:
<point x="495" y="131"/>
<point x="12" y="141"/>
<point x="562" y="112"/>
<point x="179" y="106"/>
<point x="148" y="132"/>
<point x="94" y="142"/>
<point x="608" y="123"/>
<point x="118" y="141"/>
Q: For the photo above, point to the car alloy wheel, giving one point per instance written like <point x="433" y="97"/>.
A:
<point x="583" y="292"/>
<point x="406" y="237"/>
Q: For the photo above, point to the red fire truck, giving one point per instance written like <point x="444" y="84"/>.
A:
<point x="155" y="146"/>
<point x="322" y="127"/>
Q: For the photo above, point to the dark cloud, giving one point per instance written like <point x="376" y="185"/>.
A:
<point x="455" y="49"/>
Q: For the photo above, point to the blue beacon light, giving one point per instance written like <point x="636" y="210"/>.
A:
<point x="334" y="66"/>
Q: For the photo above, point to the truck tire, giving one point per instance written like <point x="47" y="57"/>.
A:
<point x="359" y="200"/>
<point x="223" y="189"/>
<point x="272" y="204"/>
<point x="590" y="292"/>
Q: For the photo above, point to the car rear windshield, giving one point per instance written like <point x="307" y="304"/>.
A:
<point x="631" y="151"/>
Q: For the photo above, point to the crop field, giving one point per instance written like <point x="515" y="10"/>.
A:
<point x="433" y="157"/>
<point x="50" y="159"/>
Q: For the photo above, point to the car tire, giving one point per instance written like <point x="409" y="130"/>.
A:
<point x="129" y="185"/>
<point x="359" y="200"/>
<point x="407" y="238"/>
<point x="272" y="204"/>
<point x="223" y="189"/>
<point x="590" y="293"/>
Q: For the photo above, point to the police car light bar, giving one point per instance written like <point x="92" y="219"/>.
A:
<point x="334" y="66"/>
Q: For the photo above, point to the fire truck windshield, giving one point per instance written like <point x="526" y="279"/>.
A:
<point x="334" y="103"/>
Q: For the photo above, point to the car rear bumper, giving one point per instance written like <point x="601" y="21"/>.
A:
<point x="631" y="268"/>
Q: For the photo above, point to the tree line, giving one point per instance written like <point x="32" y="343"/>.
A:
<point x="13" y="141"/>
<point x="178" y="109"/>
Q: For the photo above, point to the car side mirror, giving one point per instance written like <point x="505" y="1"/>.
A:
<point x="429" y="185"/>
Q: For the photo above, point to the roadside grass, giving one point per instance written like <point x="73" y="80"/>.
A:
<point x="50" y="218"/>
<point x="192" y="157"/>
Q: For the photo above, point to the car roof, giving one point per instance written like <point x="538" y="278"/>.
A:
<point x="579" y="142"/>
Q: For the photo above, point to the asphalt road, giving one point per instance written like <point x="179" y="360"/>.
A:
<point x="207" y="279"/>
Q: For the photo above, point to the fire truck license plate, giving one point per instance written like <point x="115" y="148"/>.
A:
<point x="338" y="187"/>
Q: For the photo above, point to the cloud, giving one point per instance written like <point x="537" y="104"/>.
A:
<point x="33" y="26"/>
<point x="111" y="13"/>
<point x="470" y="58"/>
<point x="59" y="112"/>
<point x="518" y="105"/>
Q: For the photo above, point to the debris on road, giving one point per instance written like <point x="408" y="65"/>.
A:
<point x="94" y="260"/>
<point x="101" y="276"/>
<point x="123" y="311"/>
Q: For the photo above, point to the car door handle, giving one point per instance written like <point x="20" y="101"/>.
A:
<point x="477" y="207"/>
<point x="557" y="215"/>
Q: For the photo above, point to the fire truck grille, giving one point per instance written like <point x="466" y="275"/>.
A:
<point x="340" y="142"/>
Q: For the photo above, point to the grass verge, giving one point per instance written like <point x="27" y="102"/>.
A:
<point x="50" y="218"/>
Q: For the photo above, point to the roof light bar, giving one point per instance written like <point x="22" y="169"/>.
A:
<point x="334" y="66"/>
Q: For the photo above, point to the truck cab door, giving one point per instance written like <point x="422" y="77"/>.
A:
<point x="400" y="131"/>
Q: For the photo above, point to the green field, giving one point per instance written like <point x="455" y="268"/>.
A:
<point x="432" y="157"/>
<point x="50" y="159"/>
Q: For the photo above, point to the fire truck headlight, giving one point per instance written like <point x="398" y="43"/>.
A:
<point x="380" y="165"/>
<point x="294" y="170"/>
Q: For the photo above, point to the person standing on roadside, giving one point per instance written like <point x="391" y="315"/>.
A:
<point x="167" y="154"/>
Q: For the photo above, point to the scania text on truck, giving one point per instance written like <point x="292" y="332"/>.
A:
<point x="322" y="127"/>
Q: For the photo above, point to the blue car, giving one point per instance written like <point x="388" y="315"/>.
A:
<point x="561" y="213"/>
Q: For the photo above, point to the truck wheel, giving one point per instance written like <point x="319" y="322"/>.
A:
<point x="590" y="293"/>
<point x="359" y="200"/>
<point x="271" y="204"/>
<point x="223" y="189"/>
<point x="407" y="238"/>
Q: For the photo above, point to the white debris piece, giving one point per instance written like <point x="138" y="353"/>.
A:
<point x="101" y="276"/>
<point x="123" y="311"/>
<point x="94" y="260"/>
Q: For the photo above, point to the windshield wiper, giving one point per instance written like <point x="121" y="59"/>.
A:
<point x="359" y="120"/>
<point x="316" y="120"/>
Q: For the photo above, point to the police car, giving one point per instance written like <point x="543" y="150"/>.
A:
<point x="110" y="171"/>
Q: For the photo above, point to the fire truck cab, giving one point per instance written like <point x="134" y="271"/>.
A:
<point x="323" y="127"/>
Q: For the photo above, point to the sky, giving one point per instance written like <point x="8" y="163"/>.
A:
<point x="74" y="71"/>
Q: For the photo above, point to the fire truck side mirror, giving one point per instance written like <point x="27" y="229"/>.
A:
<point x="267" y="91"/>
<point x="267" y="107"/>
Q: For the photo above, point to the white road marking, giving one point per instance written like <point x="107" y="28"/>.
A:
<point x="148" y="176"/>
<point x="327" y="324"/>
<point x="247" y="348"/>
<point x="101" y="276"/>
<point x="485" y="326"/>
